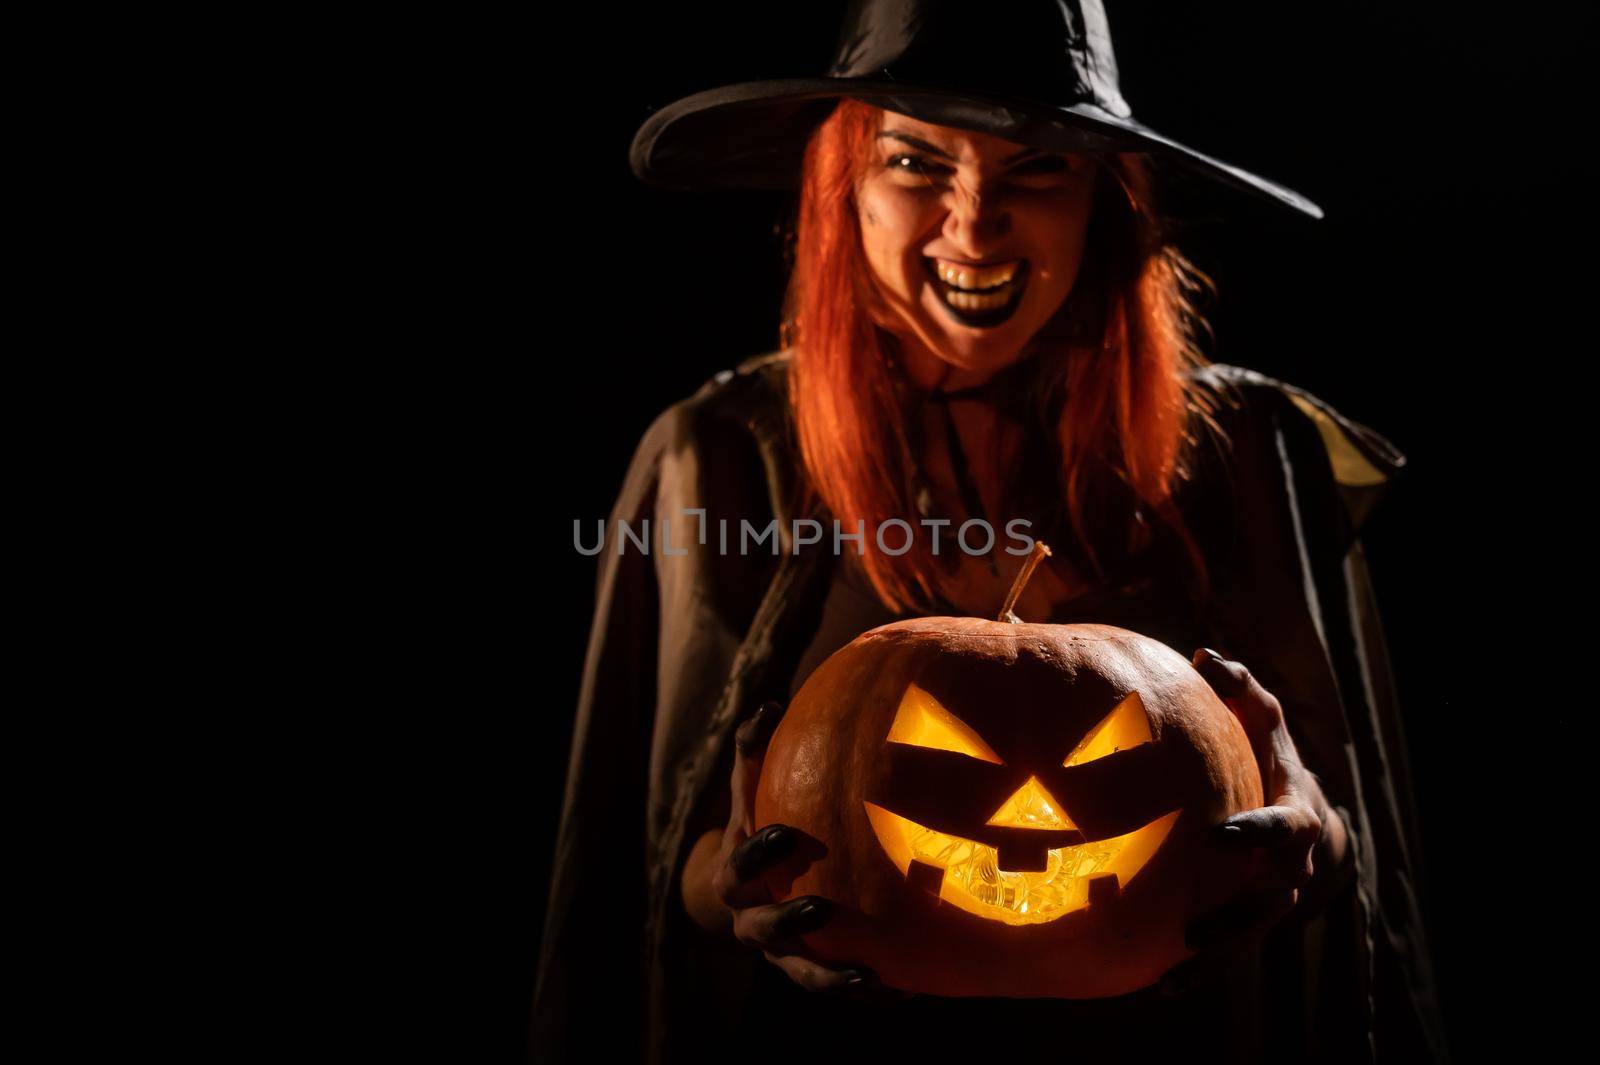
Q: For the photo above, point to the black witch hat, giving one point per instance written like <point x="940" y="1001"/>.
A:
<point x="1035" y="72"/>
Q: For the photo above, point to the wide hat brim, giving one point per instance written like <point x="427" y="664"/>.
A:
<point x="753" y="134"/>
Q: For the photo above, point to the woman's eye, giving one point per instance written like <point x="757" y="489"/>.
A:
<point x="902" y="163"/>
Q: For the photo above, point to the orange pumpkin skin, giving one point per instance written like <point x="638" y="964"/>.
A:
<point x="1031" y="694"/>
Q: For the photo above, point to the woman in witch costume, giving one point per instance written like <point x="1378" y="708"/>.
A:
<point x="986" y="322"/>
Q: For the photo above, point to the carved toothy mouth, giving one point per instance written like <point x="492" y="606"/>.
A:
<point x="967" y="874"/>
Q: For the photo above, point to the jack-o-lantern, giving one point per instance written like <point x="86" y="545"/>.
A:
<point x="1008" y="809"/>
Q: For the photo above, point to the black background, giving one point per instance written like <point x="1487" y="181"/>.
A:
<point x="1439" y="302"/>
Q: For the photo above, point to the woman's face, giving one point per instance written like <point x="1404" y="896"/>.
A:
<point x="973" y="241"/>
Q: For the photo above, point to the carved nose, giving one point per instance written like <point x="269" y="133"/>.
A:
<point x="1032" y="806"/>
<point x="1044" y="826"/>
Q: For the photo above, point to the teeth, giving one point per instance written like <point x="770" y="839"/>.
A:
<point x="976" y="278"/>
<point x="971" y="301"/>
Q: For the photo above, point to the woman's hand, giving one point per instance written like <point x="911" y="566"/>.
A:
<point x="1301" y="837"/>
<point x="723" y="884"/>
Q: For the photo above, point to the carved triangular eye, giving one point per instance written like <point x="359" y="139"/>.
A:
<point x="1126" y="726"/>
<point x="922" y="722"/>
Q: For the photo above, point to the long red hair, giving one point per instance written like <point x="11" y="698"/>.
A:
<point x="1110" y="375"/>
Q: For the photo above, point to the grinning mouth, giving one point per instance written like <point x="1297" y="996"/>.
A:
<point x="969" y="875"/>
<point x="978" y="296"/>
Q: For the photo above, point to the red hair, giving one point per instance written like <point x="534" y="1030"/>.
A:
<point x="1110" y="374"/>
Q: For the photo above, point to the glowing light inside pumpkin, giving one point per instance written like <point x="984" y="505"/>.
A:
<point x="1031" y="807"/>
<point x="922" y="722"/>
<point x="974" y="882"/>
<point x="972" y="879"/>
<point x="1126" y="726"/>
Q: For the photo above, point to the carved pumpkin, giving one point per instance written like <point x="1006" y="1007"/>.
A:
<point x="1006" y="809"/>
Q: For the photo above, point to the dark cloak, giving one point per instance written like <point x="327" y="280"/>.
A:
<point x="687" y="641"/>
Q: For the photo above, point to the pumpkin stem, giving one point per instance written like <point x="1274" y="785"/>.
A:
<point x="1041" y="551"/>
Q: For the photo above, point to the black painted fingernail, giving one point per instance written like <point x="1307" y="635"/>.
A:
<point x="772" y="844"/>
<point x="862" y="981"/>
<point x="777" y="840"/>
<point x="745" y="735"/>
<point x="805" y="915"/>
<point x="752" y="736"/>
<point x="1229" y="835"/>
<point x="1218" y="659"/>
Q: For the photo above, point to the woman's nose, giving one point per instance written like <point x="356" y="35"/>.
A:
<point x="976" y="218"/>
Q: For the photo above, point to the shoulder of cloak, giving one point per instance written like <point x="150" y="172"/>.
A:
<point x="1361" y="461"/>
